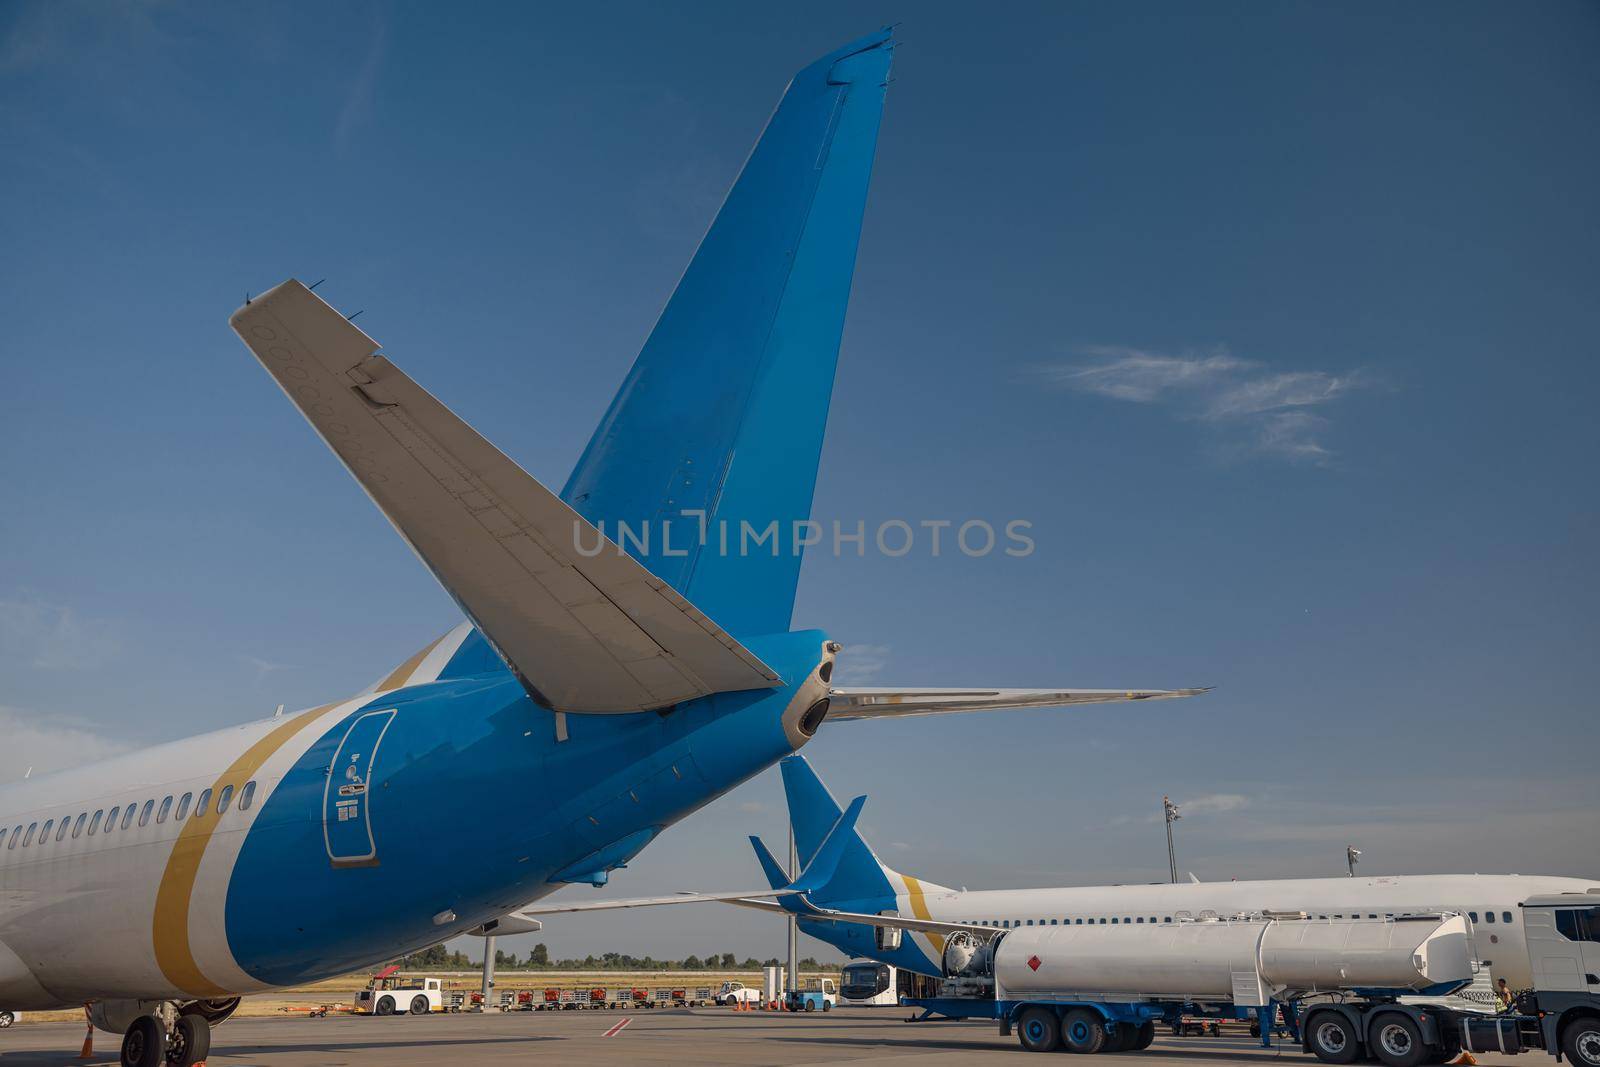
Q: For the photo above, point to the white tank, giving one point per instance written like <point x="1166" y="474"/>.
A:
<point x="1246" y="960"/>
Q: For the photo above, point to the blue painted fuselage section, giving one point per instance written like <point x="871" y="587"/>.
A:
<point x="474" y="806"/>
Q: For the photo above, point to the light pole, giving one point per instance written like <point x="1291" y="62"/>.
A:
<point x="1352" y="856"/>
<point x="1170" y="811"/>
<point x="794" y="929"/>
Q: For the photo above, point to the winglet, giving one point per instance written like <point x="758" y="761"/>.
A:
<point x="769" y="864"/>
<point x="819" y="872"/>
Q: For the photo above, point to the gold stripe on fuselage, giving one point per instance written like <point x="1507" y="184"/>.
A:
<point x="919" y="908"/>
<point x="170" y="929"/>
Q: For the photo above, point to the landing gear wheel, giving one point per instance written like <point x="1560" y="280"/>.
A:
<point x="1333" y="1039"/>
<point x="419" y="1005"/>
<point x="1144" y="1037"/>
<point x="145" y="1043"/>
<point x="1396" y="1041"/>
<point x="1039" y="1030"/>
<point x="385" y="1006"/>
<point x="1581" y="1041"/>
<point x="1083" y="1031"/>
<point x="190" y="1043"/>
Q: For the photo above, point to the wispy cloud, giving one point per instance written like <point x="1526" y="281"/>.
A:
<point x="862" y="663"/>
<point x="1213" y="803"/>
<point x="47" y="743"/>
<point x="54" y="637"/>
<point x="1271" y="408"/>
<point x="264" y="667"/>
<point x="358" y="99"/>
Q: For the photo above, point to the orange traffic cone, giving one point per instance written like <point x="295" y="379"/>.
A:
<point x="1466" y="1059"/>
<point x="88" y="1036"/>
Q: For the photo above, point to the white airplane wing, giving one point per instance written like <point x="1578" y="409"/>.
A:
<point x="585" y="632"/>
<point x="869" y="703"/>
<point x="654" y="902"/>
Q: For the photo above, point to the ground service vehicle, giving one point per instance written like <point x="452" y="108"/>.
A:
<point x="1560" y="1014"/>
<point x="819" y="994"/>
<point x="1104" y="988"/>
<point x="392" y="994"/>
<point x="737" y="993"/>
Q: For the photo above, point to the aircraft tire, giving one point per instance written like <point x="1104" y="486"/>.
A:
<point x="1083" y="1031"/>
<point x="191" y="1038"/>
<point x="145" y="1043"/>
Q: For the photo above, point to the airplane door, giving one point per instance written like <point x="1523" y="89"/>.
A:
<point x="347" y="801"/>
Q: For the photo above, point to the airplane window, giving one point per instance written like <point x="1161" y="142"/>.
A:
<point x="1167" y="919"/>
<point x="1078" y="922"/>
<point x="203" y="803"/>
<point x="45" y="833"/>
<point x="66" y="823"/>
<point x="1505" y="916"/>
<point x="1488" y="916"/>
<point x="1126" y="919"/>
<point x="94" y="823"/>
<point x="223" y="798"/>
<point x="112" y="819"/>
<point x="1030" y="922"/>
<point x="1141" y="918"/>
<point x="183" y="806"/>
<point x="1102" y="921"/>
<point x="1113" y="920"/>
<point x="77" y="827"/>
<point x="144" y="813"/>
<point x="246" y="796"/>
<point x="127" y="816"/>
<point x="166" y="808"/>
<point x="1472" y="915"/>
<point x="3" y="833"/>
<point x="26" y="841"/>
<point x="1052" y="922"/>
<point x="16" y="832"/>
<point x="1371" y="916"/>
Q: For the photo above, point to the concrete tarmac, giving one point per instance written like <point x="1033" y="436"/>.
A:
<point x="666" y="1036"/>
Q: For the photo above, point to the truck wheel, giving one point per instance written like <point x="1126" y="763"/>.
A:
<point x="1083" y="1031"/>
<point x="419" y="1005"/>
<point x="1039" y="1030"/>
<point x="1580" y="1040"/>
<point x="1119" y="1040"/>
<point x="1145" y="1036"/>
<point x="1333" y="1039"/>
<point x="1395" y="1039"/>
<point x="385" y="1006"/>
<point x="811" y="1005"/>
<point x="6" y="1019"/>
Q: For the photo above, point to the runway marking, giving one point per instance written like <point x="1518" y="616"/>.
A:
<point x="617" y="1029"/>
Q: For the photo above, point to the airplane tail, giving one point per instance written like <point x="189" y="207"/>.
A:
<point x="860" y="880"/>
<point x="708" y="454"/>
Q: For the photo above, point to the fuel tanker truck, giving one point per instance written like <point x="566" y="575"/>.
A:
<point x="1098" y="988"/>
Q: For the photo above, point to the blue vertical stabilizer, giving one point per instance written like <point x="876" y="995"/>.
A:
<point x="724" y="410"/>
<point x="813" y="813"/>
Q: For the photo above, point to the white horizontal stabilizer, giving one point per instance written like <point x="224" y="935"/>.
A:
<point x="853" y="702"/>
<point x="584" y="626"/>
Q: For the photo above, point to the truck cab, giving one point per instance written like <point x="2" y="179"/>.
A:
<point x="1563" y="933"/>
<point x="389" y="993"/>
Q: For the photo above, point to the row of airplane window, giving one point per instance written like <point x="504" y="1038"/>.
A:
<point x="1488" y="916"/>
<point x="106" y="822"/>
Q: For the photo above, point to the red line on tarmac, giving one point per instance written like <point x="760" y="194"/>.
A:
<point x="617" y="1029"/>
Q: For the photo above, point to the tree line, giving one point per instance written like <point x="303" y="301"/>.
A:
<point x="439" y="958"/>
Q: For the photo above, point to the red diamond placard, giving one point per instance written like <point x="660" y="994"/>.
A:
<point x="1034" y="962"/>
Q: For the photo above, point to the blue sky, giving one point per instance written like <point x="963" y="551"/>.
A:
<point x="1276" y="321"/>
